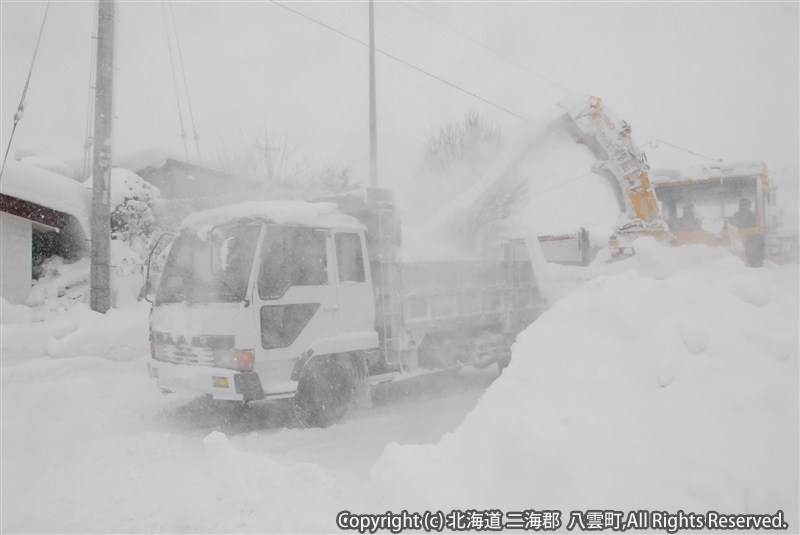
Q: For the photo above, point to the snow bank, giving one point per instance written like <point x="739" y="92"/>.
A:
<point x="671" y="385"/>
<point x="322" y="214"/>
<point x="120" y="334"/>
<point x="60" y="285"/>
<point x="13" y="313"/>
<point x="127" y="273"/>
<point x="163" y="482"/>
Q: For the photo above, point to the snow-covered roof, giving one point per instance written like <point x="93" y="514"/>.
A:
<point x="47" y="189"/>
<point x="48" y="164"/>
<point x="321" y="214"/>
<point x="136" y="161"/>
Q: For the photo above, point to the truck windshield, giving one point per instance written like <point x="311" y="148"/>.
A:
<point x="209" y="271"/>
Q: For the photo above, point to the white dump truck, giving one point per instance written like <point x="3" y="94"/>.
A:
<point x="310" y="301"/>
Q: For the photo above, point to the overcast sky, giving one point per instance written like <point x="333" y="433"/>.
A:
<point x="720" y="79"/>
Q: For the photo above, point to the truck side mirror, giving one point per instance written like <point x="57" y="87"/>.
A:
<point x="155" y="265"/>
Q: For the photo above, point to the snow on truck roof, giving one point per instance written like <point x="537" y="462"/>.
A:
<point x="714" y="171"/>
<point x="320" y="214"/>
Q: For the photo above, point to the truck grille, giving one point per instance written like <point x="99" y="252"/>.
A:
<point x="199" y="351"/>
<point x="186" y="354"/>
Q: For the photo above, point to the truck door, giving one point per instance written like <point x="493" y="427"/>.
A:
<point x="356" y="299"/>
<point x="296" y="296"/>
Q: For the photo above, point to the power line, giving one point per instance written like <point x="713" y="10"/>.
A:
<point x="487" y="47"/>
<point x="537" y="74"/>
<point x="446" y="82"/>
<point x="89" y="138"/>
<point x="174" y="80"/>
<point x="186" y="86"/>
<point x="677" y="147"/>
<point x="404" y="62"/>
<point x="21" y="107"/>
<point x="561" y="184"/>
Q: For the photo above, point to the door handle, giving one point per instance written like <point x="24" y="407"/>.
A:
<point x="330" y="309"/>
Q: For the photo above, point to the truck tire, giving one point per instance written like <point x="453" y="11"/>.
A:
<point x="755" y="250"/>
<point x="324" y="392"/>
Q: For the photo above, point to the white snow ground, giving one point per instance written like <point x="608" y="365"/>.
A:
<point x="666" y="381"/>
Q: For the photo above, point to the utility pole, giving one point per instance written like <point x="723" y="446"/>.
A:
<point x="103" y="112"/>
<point x="373" y="128"/>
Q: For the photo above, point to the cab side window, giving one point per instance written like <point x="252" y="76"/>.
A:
<point x="291" y="256"/>
<point x="349" y="257"/>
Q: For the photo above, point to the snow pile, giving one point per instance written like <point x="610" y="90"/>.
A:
<point x="120" y="334"/>
<point x="673" y="385"/>
<point x="127" y="273"/>
<point x="60" y="285"/>
<point x="649" y="261"/>
<point x="13" y="313"/>
<point x="127" y="185"/>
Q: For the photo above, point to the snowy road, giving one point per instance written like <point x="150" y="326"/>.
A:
<point x="77" y="430"/>
<point x="418" y="411"/>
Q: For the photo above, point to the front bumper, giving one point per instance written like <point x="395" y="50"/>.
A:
<point x="220" y="383"/>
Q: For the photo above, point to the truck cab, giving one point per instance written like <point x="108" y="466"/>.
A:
<point x="295" y="271"/>
<point x="731" y="205"/>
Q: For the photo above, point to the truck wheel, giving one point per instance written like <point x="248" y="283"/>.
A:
<point x="755" y="250"/>
<point x="324" y="392"/>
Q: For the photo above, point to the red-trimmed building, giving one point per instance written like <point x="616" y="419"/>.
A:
<point x="41" y="214"/>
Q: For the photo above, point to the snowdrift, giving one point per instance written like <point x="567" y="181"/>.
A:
<point x="671" y="385"/>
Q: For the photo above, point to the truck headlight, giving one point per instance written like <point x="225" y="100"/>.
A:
<point x="235" y="359"/>
<point x="225" y="358"/>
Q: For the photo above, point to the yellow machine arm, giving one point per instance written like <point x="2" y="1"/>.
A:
<point x="612" y="140"/>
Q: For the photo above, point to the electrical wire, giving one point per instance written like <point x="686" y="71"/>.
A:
<point x="186" y="86"/>
<point x="659" y="140"/>
<point x="539" y="75"/>
<point x="21" y="107"/>
<point x="403" y="62"/>
<point x="175" y="80"/>
<point x="561" y="184"/>
<point x="487" y="47"/>
<point x="89" y="138"/>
